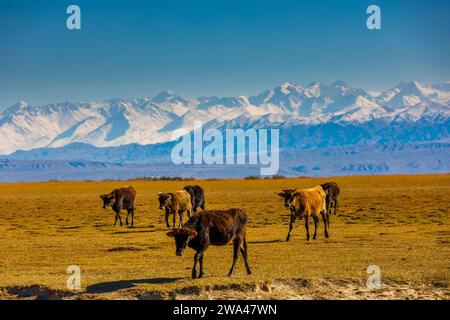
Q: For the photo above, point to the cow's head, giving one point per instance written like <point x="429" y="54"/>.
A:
<point x="164" y="199"/>
<point x="108" y="200"/>
<point x="189" y="189"/>
<point x="287" y="196"/>
<point x="182" y="237"/>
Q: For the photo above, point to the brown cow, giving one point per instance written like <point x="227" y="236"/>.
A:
<point x="306" y="203"/>
<point x="119" y="199"/>
<point x="215" y="228"/>
<point x="175" y="203"/>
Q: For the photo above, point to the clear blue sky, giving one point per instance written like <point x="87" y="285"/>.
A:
<point x="211" y="47"/>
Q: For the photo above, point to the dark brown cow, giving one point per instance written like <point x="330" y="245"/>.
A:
<point x="217" y="228"/>
<point x="175" y="203"/>
<point x="332" y="191"/>
<point x="197" y="197"/>
<point x="121" y="199"/>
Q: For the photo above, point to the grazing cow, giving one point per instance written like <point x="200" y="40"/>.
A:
<point x="332" y="192"/>
<point x="197" y="197"/>
<point x="217" y="228"/>
<point x="175" y="203"/>
<point x="121" y="199"/>
<point x="306" y="203"/>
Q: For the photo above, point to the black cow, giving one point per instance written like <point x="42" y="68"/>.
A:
<point x="215" y="228"/>
<point x="121" y="199"/>
<point x="197" y="197"/>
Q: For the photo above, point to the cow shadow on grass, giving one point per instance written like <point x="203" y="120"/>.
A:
<point x="265" y="241"/>
<point x="133" y="230"/>
<point x="108" y="287"/>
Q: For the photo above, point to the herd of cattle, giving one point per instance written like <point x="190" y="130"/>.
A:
<point x="220" y="227"/>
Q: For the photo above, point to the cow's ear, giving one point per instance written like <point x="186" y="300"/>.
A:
<point x="159" y="193"/>
<point x="171" y="234"/>
<point x="193" y="233"/>
<point x="281" y="194"/>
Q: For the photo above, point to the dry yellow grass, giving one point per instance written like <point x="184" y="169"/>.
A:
<point x="400" y="223"/>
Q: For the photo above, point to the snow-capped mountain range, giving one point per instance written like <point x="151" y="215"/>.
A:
<point x="148" y="121"/>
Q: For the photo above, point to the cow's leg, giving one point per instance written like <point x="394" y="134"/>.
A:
<point x="307" y="227"/>
<point x="328" y="219"/>
<point x="328" y="205"/>
<point x="336" y="206"/>
<point x="236" y="245"/>
<point x="128" y="214"/>
<point x="196" y="259"/>
<point x="120" y="219"/>
<point x="167" y="217"/>
<point x="244" y="253"/>
<point x="324" y="217"/>
<point x="200" y="275"/>
<point x="180" y="224"/>
<point x="291" y="226"/>
<point x="132" y="217"/>
<point x="117" y="218"/>
<point x="174" y="218"/>
<point x="316" y="226"/>
<point x="203" y="206"/>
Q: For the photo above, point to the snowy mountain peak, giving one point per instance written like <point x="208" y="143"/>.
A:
<point x="152" y="120"/>
<point x="168" y="96"/>
<point x="340" y="83"/>
<point x="289" y="87"/>
<point x="20" y="105"/>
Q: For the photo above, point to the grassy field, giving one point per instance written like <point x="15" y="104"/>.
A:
<point x="400" y="223"/>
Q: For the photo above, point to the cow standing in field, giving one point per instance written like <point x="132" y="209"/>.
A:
<point x="309" y="203"/>
<point x="175" y="203"/>
<point x="217" y="228"/>
<point x="197" y="197"/>
<point x="121" y="199"/>
<point x="332" y="193"/>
